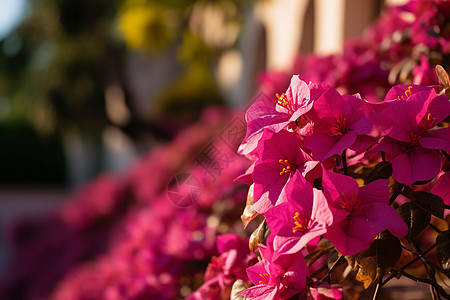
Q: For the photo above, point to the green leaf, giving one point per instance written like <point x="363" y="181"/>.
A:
<point x="383" y="253"/>
<point x="443" y="251"/>
<point x="443" y="76"/>
<point x="415" y="217"/>
<point x="382" y="170"/>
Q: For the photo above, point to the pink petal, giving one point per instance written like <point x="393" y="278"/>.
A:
<point x="389" y="145"/>
<point x="321" y="213"/>
<point x="437" y="106"/>
<point x="253" y="272"/>
<point x="345" y="243"/>
<point x="426" y="163"/>
<point x="375" y="191"/>
<point x="363" y="142"/>
<point x="402" y="169"/>
<point x="442" y="188"/>
<point x="436" y="139"/>
<point x="334" y="185"/>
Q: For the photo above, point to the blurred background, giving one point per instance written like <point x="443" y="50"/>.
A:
<point x="88" y="86"/>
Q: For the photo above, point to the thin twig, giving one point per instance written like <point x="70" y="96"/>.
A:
<point x="344" y="161"/>
<point x="439" y="288"/>
<point x="435" y="228"/>
<point x="377" y="289"/>
<point x="430" y="272"/>
<point x="335" y="264"/>
<point x="408" y="264"/>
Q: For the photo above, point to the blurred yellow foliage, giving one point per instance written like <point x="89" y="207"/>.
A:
<point x="147" y="26"/>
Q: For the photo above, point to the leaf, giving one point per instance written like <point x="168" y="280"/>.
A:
<point x="443" y="76"/>
<point x="382" y="170"/>
<point x="433" y="201"/>
<point x="238" y="287"/>
<point x="443" y="251"/>
<point x="415" y="217"/>
<point x="379" y="258"/>
<point x="249" y="213"/>
<point x="259" y="236"/>
<point x="361" y="276"/>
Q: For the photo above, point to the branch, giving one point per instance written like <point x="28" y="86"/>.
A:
<point x="408" y="264"/>
<point x="344" y="161"/>
<point x="335" y="264"/>
<point x="439" y="288"/>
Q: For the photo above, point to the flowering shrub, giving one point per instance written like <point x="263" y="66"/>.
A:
<point x="314" y="202"/>
<point x="403" y="46"/>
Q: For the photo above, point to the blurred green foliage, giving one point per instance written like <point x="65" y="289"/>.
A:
<point x="57" y="64"/>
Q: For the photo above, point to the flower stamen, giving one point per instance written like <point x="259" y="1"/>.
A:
<point x="339" y="126"/>
<point x="301" y="223"/>
<point x="265" y="278"/>
<point x="288" y="166"/>
<point x="349" y="203"/>
<point x="428" y="123"/>
<point x="408" y="94"/>
<point x="283" y="100"/>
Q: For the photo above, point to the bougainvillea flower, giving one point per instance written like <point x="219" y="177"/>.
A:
<point x="225" y="269"/>
<point x="442" y="188"/>
<point x="323" y="292"/>
<point x="301" y="217"/>
<point x="366" y="210"/>
<point x="280" y="279"/>
<point x="412" y="136"/>
<point x="277" y="114"/>
<point x="280" y="155"/>
<point x="338" y="121"/>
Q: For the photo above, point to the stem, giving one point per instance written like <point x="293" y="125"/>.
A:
<point x="383" y="156"/>
<point x="335" y="264"/>
<point x="430" y="272"/>
<point x="323" y="268"/>
<point x="439" y="288"/>
<point x="377" y="289"/>
<point x="435" y="228"/>
<point x="344" y="161"/>
<point x="408" y="264"/>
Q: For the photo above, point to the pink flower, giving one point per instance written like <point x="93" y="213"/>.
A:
<point x="280" y="155"/>
<point x="280" y="279"/>
<point x="412" y="137"/>
<point x="265" y="113"/>
<point x="301" y="217"/>
<point x="323" y="292"/>
<point x="364" y="212"/>
<point x="338" y="122"/>
<point x="224" y="270"/>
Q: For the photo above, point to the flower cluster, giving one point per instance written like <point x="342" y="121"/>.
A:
<point x="122" y="237"/>
<point x="403" y="46"/>
<point x="308" y="190"/>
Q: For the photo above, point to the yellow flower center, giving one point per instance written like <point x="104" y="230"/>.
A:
<point x="349" y="203"/>
<point x="284" y="101"/>
<point x="301" y="223"/>
<point x="408" y="94"/>
<point x="288" y="166"/>
<point x="265" y="278"/>
<point x="428" y="123"/>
